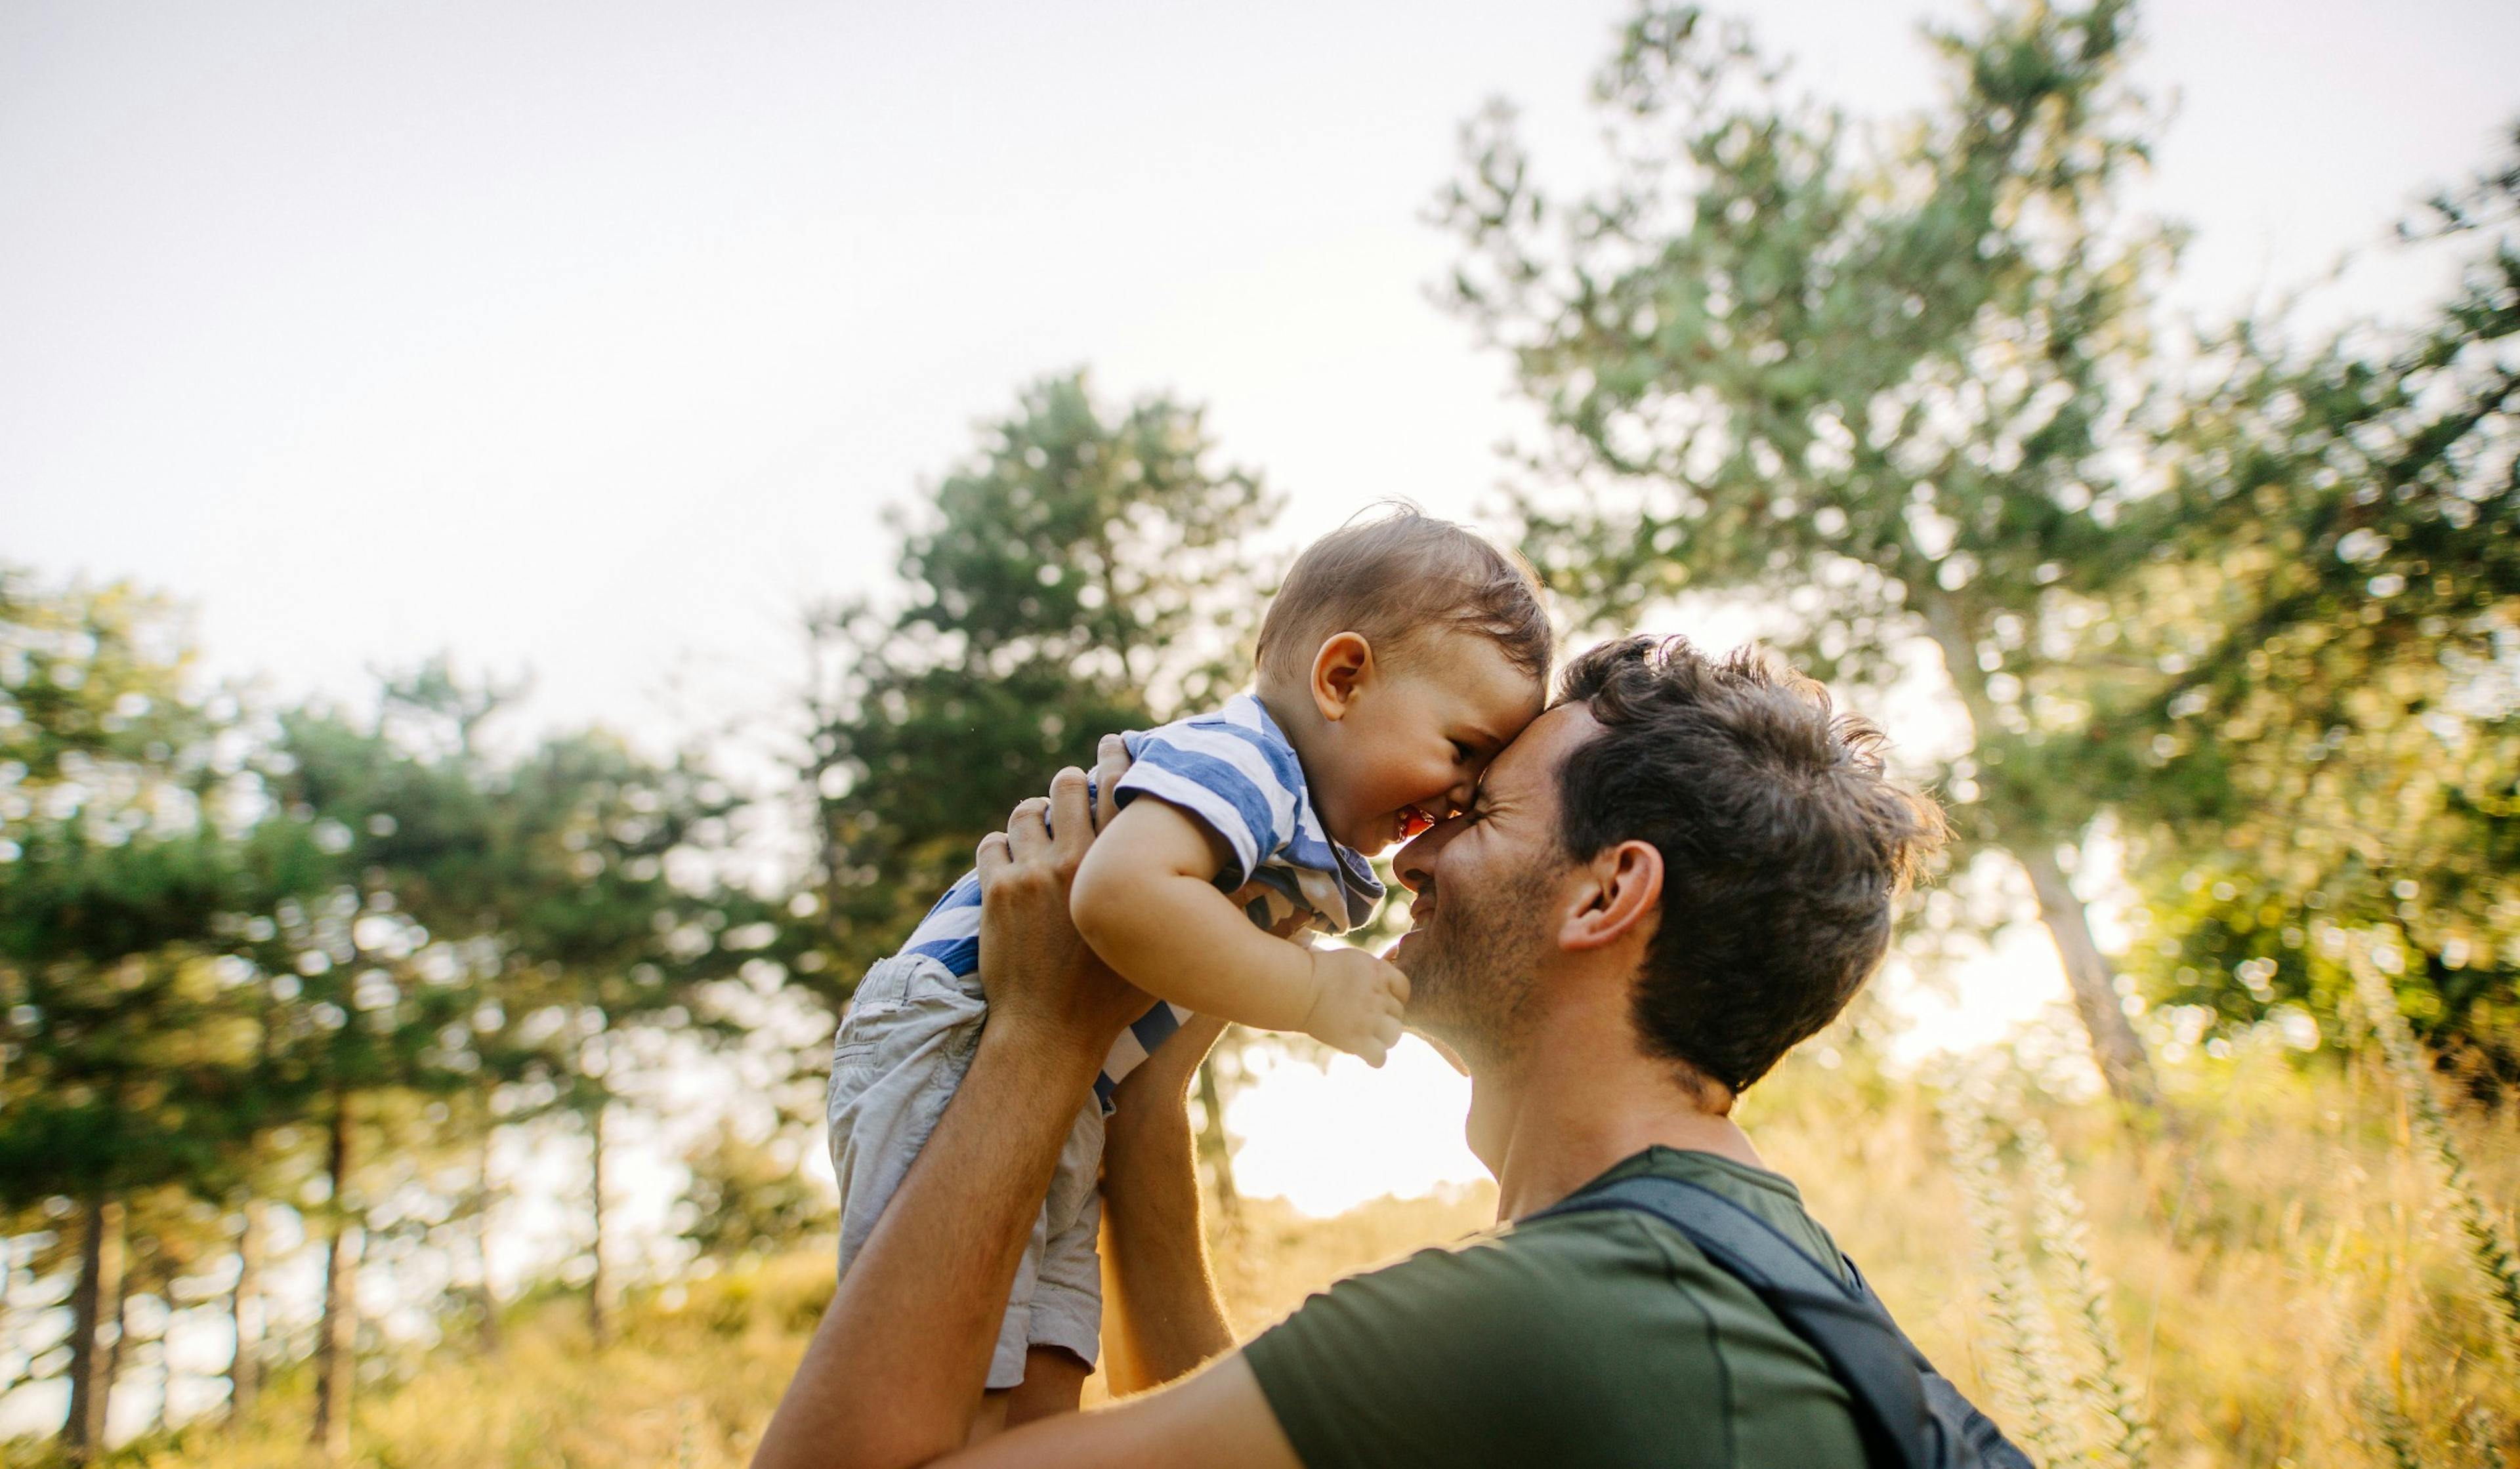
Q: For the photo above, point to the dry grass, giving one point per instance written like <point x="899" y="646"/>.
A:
<point x="2286" y="1281"/>
<point x="1274" y="1257"/>
<point x="2286" y="1278"/>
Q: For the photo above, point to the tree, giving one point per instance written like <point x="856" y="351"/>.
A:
<point x="116" y="1063"/>
<point x="243" y="953"/>
<point x="2344" y="750"/>
<point x="1896" y="392"/>
<point x="376" y="857"/>
<point x="748" y="1195"/>
<point x="596" y="929"/>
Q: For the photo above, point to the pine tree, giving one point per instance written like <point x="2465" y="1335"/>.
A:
<point x="118" y="1066"/>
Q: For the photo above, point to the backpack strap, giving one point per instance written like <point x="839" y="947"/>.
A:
<point x="1910" y="1414"/>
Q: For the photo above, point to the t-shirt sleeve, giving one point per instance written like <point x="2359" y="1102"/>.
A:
<point x="1237" y="782"/>
<point x="1465" y="1356"/>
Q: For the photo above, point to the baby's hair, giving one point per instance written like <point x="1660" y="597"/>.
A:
<point x="1396" y="574"/>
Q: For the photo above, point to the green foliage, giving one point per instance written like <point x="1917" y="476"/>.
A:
<point x="590" y="916"/>
<point x="91" y="678"/>
<point x="751" y="1197"/>
<point x="1861" y="381"/>
<point x="2344" y="599"/>
<point x="111" y="879"/>
<point x="1083" y="573"/>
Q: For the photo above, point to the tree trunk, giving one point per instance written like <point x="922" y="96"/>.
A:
<point x="337" y="1339"/>
<point x="598" y="1323"/>
<point x="487" y="1298"/>
<point x="9" y="1303"/>
<point x="100" y="1282"/>
<point x="1214" y="1148"/>
<point x="2115" y="1048"/>
<point x="244" y="1310"/>
<point x="122" y="1331"/>
<point x="2095" y="982"/>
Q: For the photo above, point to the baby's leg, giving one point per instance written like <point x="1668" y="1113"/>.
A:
<point x="902" y="1049"/>
<point x="1053" y="1328"/>
<point x="1064" y="1330"/>
<point x="1054" y="1384"/>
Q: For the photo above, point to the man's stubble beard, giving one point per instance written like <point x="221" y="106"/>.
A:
<point x="1472" y="972"/>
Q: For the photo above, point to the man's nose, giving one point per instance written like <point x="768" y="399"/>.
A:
<point x="1413" y="865"/>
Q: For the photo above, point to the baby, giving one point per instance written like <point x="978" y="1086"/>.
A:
<point x="1400" y="655"/>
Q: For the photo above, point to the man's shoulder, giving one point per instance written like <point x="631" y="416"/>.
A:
<point x="1770" y="1197"/>
<point x="1608" y="1329"/>
<point x="1560" y="1262"/>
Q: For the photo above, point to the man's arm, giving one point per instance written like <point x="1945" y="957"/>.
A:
<point x="896" y="1368"/>
<point x="1162" y="1319"/>
<point x="894" y="1372"/>
<point x="1217" y="1419"/>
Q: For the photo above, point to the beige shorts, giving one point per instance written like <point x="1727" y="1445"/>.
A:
<point x="903" y="1047"/>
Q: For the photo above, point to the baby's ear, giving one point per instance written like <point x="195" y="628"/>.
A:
<point x="1343" y="666"/>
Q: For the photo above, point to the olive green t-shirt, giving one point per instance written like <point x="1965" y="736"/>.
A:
<point x="1596" y="1338"/>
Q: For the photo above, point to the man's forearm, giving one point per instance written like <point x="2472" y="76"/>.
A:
<point x="895" y="1369"/>
<point x="1165" y="1313"/>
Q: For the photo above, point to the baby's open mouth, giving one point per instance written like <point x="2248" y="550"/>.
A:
<point x="1413" y="819"/>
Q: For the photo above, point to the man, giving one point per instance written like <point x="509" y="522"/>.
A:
<point x="1678" y="872"/>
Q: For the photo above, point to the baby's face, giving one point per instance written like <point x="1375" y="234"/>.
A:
<point x="1416" y="741"/>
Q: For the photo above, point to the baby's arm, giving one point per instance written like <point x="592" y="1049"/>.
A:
<point x="1146" y="898"/>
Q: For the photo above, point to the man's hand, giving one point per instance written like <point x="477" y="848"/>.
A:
<point x="1043" y="982"/>
<point x="1357" y="1000"/>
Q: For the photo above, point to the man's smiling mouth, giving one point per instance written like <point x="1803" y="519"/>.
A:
<point x="1422" y="907"/>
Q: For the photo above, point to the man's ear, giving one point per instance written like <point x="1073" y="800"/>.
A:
<point x="1618" y="893"/>
<point x="1343" y="666"/>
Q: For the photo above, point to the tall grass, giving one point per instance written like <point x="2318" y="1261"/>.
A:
<point x="2488" y="1247"/>
<point x="2258" y="1272"/>
<point x="2025" y="1364"/>
<point x="2289" y="1287"/>
<point x="2121" y="1432"/>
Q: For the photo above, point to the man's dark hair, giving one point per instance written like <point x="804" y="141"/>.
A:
<point x="1396" y="576"/>
<point x="1783" y="843"/>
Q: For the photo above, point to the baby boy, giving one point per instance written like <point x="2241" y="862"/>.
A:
<point x="1399" y="656"/>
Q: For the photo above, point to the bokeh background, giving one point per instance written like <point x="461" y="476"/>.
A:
<point x="536" y="540"/>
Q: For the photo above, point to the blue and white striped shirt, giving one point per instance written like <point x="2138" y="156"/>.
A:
<point x="1237" y="774"/>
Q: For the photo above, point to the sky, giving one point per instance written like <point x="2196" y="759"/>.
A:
<point x="591" y="339"/>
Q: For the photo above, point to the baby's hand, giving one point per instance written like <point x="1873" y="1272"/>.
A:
<point x="1356" y="1000"/>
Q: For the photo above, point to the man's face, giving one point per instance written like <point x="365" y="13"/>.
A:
<point x="1487" y="884"/>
